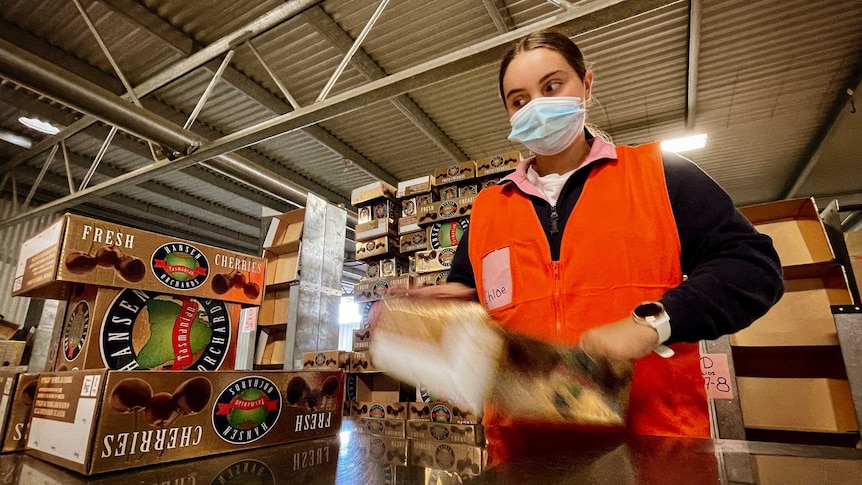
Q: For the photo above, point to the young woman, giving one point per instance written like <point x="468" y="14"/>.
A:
<point x="587" y="243"/>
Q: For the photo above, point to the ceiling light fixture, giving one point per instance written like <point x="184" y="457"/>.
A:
<point x="39" y="125"/>
<point x="684" y="144"/>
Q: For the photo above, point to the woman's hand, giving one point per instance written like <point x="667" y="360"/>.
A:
<point x="622" y="340"/>
<point x="448" y="290"/>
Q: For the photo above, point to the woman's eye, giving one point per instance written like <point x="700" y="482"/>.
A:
<point x="518" y="103"/>
<point x="552" y="86"/>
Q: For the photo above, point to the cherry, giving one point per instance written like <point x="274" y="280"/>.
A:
<point x="80" y="263"/>
<point x="107" y="257"/>
<point x="237" y="280"/>
<point x="251" y="290"/>
<point x="131" y="269"/>
<point x="220" y="284"/>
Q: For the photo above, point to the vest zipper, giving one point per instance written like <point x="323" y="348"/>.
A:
<point x="558" y="310"/>
<point x="555" y="218"/>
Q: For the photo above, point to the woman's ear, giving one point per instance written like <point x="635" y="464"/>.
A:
<point x="588" y="85"/>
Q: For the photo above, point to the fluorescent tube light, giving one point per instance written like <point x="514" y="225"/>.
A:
<point x="39" y="125"/>
<point x="684" y="144"/>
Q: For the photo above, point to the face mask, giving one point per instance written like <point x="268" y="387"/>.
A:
<point x="548" y="125"/>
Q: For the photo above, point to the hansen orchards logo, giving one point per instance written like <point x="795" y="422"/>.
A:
<point x="180" y="266"/>
<point x="149" y="330"/>
<point x="246" y="410"/>
<point x="76" y="330"/>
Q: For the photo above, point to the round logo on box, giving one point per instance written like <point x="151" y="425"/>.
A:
<point x="77" y="326"/>
<point x="447" y="209"/>
<point x="180" y="266"/>
<point x="149" y="330"/>
<point x="376" y="411"/>
<point x="441" y="414"/>
<point x="380" y="288"/>
<point x="246" y="471"/>
<point x="246" y="410"/>
<point x="446" y="234"/>
<point x="445" y="257"/>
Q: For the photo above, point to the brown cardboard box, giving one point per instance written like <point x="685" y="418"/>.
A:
<point x="134" y="329"/>
<point x="274" y="310"/>
<point x="451" y="457"/>
<point x="408" y="207"/>
<point x="281" y="268"/>
<point x="795" y="228"/>
<point x="395" y="266"/>
<point x="468" y="190"/>
<point x="853" y="240"/>
<point x="497" y="164"/>
<point x="270" y="346"/>
<point x="414" y="241"/>
<point x="448" y="192"/>
<point x="409" y="224"/>
<point x="819" y="405"/>
<point x="455" y="172"/>
<point x="445" y="234"/>
<point x="810" y="471"/>
<point x="416" y="186"/>
<point x="326" y="360"/>
<point x="445" y="209"/>
<point x="11" y="353"/>
<point x="68" y="250"/>
<point x="376" y="247"/>
<point x="385" y="209"/>
<point x="376" y="396"/>
<point x="490" y="182"/>
<point x="93" y="421"/>
<point x="266" y="312"/>
<point x="441" y="412"/>
<point x="377" y="289"/>
<point x="376" y="228"/>
<point x="802" y="316"/>
<point x="370" y="192"/>
<point x="382" y="449"/>
<point x="361" y="340"/>
<point x="362" y="362"/>
<point x="435" y="259"/>
<point x="19" y="393"/>
<point x="468" y="434"/>
<point x="391" y="428"/>
<point x="363" y="214"/>
<point x="285" y="232"/>
<point x="429" y="279"/>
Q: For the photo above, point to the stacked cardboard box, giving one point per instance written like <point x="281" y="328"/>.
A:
<point x="804" y="395"/>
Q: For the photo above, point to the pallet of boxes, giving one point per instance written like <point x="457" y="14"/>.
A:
<point x="145" y="367"/>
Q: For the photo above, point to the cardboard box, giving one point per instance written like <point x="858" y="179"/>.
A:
<point x="385" y="209"/>
<point x="448" y="192"/>
<point x="376" y="228"/>
<point x="416" y="186"/>
<point x="75" y="249"/>
<point x="808" y="470"/>
<point x="414" y="241"/>
<point x="370" y="192"/>
<point x="11" y="353"/>
<point x="93" y="421"/>
<point x="391" y="428"/>
<point x="362" y="362"/>
<point x="455" y="172"/>
<point x="396" y="266"/>
<point x="853" y="240"/>
<point x="326" y="360"/>
<point x="425" y="199"/>
<point x="490" y="182"/>
<point x="372" y="269"/>
<point x="435" y="260"/>
<point x="375" y="396"/>
<point x="468" y="434"/>
<point x="408" y="224"/>
<point x="818" y="405"/>
<point x="445" y="209"/>
<point x="139" y="330"/>
<point x="281" y="269"/>
<point x="446" y="234"/>
<point x="468" y="190"/>
<point x="361" y="340"/>
<point x="376" y="247"/>
<point x="796" y="230"/>
<point x="285" y="232"/>
<point x="382" y="449"/>
<point x="312" y="461"/>
<point x="363" y="214"/>
<point x="497" y="164"/>
<point x="274" y="310"/>
<point x="377" y="289"/>
<point x="16" y="405"/>
<point x="271" y="344"/>
<point x="802" y="316"/>
<point x="408" y="207"/>
<point x="465" y="460"/>
<point x="441" y="412"/>
<point x="429" y="279"/>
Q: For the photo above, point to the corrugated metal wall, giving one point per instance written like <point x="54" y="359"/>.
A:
<point x="14" y="308"/>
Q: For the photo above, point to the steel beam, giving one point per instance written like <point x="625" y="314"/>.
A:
<point x="324" y="24"/>
<point x="570" y="22"/>
<point x="695" y="14"/>
<point x="499" y="14"/>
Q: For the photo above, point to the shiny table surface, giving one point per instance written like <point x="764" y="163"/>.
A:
<point x="341" y="459"/>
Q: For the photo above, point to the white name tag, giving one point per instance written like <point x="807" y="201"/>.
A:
<point x="497" y="278"/>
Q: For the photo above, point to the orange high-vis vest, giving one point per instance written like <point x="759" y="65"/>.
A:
<point x="620" y="247"/>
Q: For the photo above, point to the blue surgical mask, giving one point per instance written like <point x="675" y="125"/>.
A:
<point x="548" y="125"/>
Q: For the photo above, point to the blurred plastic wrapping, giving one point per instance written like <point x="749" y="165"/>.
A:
<point x="457" y="350"/>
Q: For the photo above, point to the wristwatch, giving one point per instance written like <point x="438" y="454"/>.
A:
<point x="652" y="314"/>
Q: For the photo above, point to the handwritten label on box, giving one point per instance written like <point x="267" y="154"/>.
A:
<point x="716" y="376"/>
